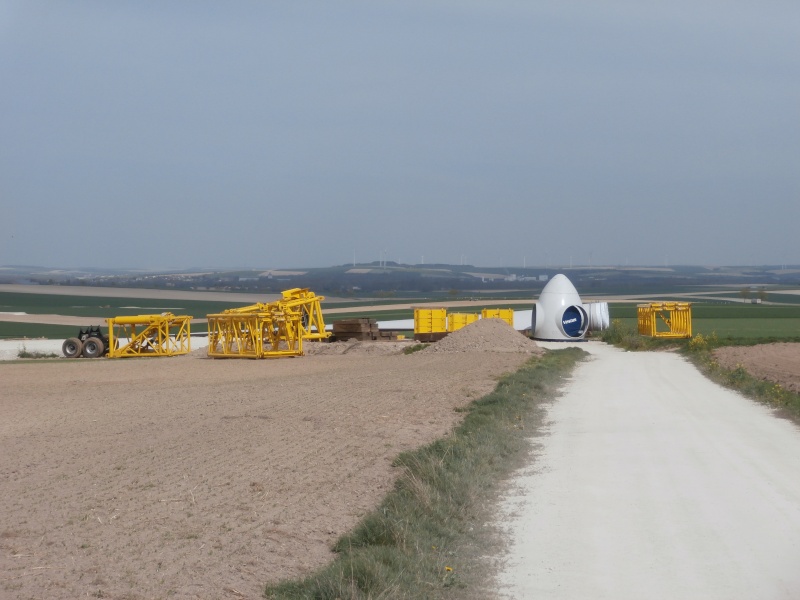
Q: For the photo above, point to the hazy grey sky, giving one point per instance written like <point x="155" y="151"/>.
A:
<point x="284" y="134"/>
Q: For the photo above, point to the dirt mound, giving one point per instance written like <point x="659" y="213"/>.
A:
<point x="773" y="362"/>
<point x="486" y="335"/>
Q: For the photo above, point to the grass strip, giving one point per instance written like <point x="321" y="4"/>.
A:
<point x="421" y="541"/>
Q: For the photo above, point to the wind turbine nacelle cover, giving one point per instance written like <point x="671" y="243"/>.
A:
<point x="559" y="314"/>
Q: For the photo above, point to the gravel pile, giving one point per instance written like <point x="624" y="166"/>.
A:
<point x="486" y="335"/>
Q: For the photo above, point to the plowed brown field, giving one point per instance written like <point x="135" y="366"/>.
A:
<point x="190" y="477"/>
<point x="774" y="362"/>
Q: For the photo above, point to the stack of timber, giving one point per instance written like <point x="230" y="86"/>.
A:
<point x="356" y="329"/>
<point x="363" y="329"/>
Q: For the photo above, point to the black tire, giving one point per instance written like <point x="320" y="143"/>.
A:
<point x="72" y="348"/>
<point x="93" y="347"/>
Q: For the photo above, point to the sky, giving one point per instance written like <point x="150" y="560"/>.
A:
<point x="245" y="134"/>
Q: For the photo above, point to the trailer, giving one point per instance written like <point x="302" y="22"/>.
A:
<point x="162" y="334"/>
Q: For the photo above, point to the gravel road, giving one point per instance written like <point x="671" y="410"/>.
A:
<point x="652" y="482"/>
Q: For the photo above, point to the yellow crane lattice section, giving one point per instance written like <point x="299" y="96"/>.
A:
<point x="149" y="335"/>
<point x="665" y="319"/>
<point x="268" y="330"/>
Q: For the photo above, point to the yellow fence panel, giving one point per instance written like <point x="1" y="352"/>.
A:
<point x="665" y="319"/>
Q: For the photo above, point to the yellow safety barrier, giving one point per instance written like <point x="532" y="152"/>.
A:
<point x="675" y="316"/>
<point x="505" y="314"/>
<point x="456" y="321"/>
<point x="268" y="330"/>
<point x="149" y="335"/>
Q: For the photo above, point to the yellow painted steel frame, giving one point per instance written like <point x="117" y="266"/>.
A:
<point x="505" y="314"/>
<point x="254" y="335"/>
<point x="676" y="315"/>
<point x="308" y="304"/>
<point x="268" y="330"/>
<point x="456" y="321"/>
<point x="430" y="320"/>
<point x="149" y="335"/>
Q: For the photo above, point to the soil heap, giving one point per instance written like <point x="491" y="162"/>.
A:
<point x="486" y="335"/>
<point x="778" y="362"/>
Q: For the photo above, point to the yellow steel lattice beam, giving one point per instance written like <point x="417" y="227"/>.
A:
<point x="149" y="335"/>
<point x="308" y="305"/>
<point x="268" y="330"/>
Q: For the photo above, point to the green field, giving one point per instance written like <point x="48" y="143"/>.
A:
<point x="104" y="306"/>
<point x="92" y="306"/>
<point x="36" y="330"/>
<point x="731" y="320"/>
<point x="723" y="318"/>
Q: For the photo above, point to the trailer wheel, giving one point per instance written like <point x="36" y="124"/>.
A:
<point x="72" y="348"/>
<point x="93" y="347"/>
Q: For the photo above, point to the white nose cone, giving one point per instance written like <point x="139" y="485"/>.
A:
<point x="559" y="315"/>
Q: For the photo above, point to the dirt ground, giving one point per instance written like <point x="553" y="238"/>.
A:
<point x="774" y="362"/>
<point x="190" y="477"/>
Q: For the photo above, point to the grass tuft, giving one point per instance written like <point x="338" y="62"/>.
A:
<point x="415" y="348"/>
<point x="627" y="337"/>
<point x="415" y="544"/>
<point x="25" y="353"/>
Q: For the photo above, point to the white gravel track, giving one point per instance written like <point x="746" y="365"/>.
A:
<point x="652" y="482"/>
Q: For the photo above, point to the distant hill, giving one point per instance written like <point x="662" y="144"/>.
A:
<point x="390" y="278"/>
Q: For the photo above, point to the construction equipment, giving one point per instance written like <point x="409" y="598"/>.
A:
<point x="676" y="316"/>
<point x="430" y="324"/>
<point x="312" y="325"/>
<point x="268" y="330"/>
<point x="149" y="335"/>
<point x="142" y="335"/>
<point x="89" y="343"/>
